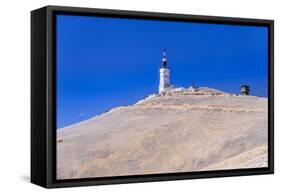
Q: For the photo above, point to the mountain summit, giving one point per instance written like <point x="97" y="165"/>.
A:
<point x="184" y="130"/>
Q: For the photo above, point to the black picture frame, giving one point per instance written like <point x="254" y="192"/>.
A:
<point x="43" y="93"/>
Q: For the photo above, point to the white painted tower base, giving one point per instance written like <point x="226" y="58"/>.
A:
<point x="164" y="83"/>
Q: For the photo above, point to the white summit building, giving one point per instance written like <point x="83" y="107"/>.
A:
<point x="164" y="83"/>
<point x="166" y="88"/>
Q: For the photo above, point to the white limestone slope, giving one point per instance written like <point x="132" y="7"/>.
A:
<point x="177" y="132"/>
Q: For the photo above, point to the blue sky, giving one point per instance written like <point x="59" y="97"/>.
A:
<point x="107" y="62"/>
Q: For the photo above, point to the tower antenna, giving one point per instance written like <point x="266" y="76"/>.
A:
<point x="164" y="60"/>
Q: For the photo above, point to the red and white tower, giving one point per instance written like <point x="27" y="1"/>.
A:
<point x="164" y="83"/>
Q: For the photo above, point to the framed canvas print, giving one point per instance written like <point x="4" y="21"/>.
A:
<point x="126" y="96"/>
